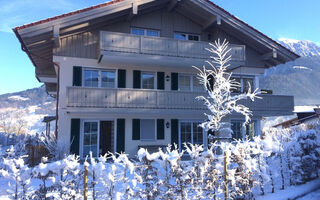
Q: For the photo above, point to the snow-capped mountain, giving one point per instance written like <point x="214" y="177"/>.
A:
<point x="29" y="105"/>
<point x="300" y="77"/>
<point x="304" y="48"/>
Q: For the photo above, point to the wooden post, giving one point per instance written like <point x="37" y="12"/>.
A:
<point x="85" y="183"/>
<point x="225" y="176"/>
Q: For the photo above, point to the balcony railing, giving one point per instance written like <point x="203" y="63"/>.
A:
<point x="128" y="43"/>
<point x="157" y="99"/>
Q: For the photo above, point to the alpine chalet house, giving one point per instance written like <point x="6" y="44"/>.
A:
<point x="122" y="72"/>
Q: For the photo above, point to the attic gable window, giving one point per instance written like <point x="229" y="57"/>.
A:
<point x="145" y="32"/>
<point x="186" y="36"/>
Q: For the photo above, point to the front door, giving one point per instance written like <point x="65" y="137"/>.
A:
<point x="106" y="137"/>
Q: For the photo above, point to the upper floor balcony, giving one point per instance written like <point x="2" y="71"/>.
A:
<point x="82" y="97"/>
<point x="121" y="48"/>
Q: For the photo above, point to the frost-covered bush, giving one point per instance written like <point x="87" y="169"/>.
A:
<point x="18" y="175"/>
<point x="59" y="180"/>
<point x="256" y="166"/>
<point x="305" y="156"/>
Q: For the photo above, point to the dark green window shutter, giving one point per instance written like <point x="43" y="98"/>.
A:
<point x="160" y="129"/>
<point x="135" y="129"/>
<point x="160" y="80"/>
<point x="77" y="76"/>
<point x="136" y="79"/>
<point x="120" y="135"/>
<point x="75" y="136"/>
<point x="174" y="81"/>
<point x="121" y="78"/>
<point x="174" y="132"/>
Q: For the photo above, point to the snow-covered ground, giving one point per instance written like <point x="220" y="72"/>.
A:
<point x="293" y="192"/>
<point x="312" y="196"/>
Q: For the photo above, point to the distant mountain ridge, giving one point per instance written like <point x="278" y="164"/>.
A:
<point x="303" y="48"/>
<point x="32" y="105"/>
<point x="300" y="78"/>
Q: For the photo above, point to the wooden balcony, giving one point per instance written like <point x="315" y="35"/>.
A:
<point x="270" y="105"/>
<point x="117" y="47"/>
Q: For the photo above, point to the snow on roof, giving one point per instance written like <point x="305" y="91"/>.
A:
<point x="304" y="109"/>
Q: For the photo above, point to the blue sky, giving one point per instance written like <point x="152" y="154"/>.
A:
<point x="276" y="18"/>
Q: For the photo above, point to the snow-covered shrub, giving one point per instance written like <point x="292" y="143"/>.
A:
<point x="170" y="164"/>
<point x="59" y="180"/>
<point x="305" y="155"/>
<point x="19" y="177"/>
<point x="113" y="177"/>
<point x="243" y="166"/>
<point x="148" y="169"/>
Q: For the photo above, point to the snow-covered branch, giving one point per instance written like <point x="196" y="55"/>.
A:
<point x="218" y="83"/>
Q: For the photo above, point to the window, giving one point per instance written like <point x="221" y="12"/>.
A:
<point x="90" y="138"/>
<point x="197" y="86"/>
<point x="185" y="82"/>
<point x="185" y="36"/>
<point x="99" y="78"/>
<point x="189" y="83"/>
<point x="147" y="80"/>
<point x="137" y="31"/>
<point x="243" y="132"/>
<point x="244" y="84"/>
<point x="237" y="89"/>
<point x="247" y="82"/>
<point x="190" y="132"/>
<point x="145" y="32"/>
<point x="108" y="79"/>
<point x="91" y="78"/>
<point x="147" y="129"/>
<point x="236" y="127"/>
<point x="152" y="33"/>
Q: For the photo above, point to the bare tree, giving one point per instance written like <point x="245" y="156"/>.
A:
<point x="13" y="124"/>
<point x="219" y="84"/>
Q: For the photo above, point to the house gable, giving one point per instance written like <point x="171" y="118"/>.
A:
<point x="41" y="40"/>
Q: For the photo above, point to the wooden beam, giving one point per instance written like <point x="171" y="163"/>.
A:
<point x="209" y="23"/>
<point x="219" y="20"/>
<point x="172" y="4"/>
<point x="56" y="35"/>
<point x="133" y="11"/>
<point x="270" y="55"/>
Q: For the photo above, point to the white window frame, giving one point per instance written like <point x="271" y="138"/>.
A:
<point x="145" y="31"/>
<point x="154" y="80"/>
<point x="155" y="131"/>
<point x="82" y="121"/>
<point x="82" y="136"/>
<point x="100" y="77"/>
<point x="191" y="82"/>
<point x="241" y="77"/>
<point x="187" y="35"/>
<point x="204" y="138"/>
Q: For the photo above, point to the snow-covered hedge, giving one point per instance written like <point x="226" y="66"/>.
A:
<point x="280" y="158"/>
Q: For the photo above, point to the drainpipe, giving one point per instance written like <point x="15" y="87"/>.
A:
<point x="57" y="98"/>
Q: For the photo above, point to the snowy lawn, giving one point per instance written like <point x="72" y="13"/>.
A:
<point x="293" y="192"/>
